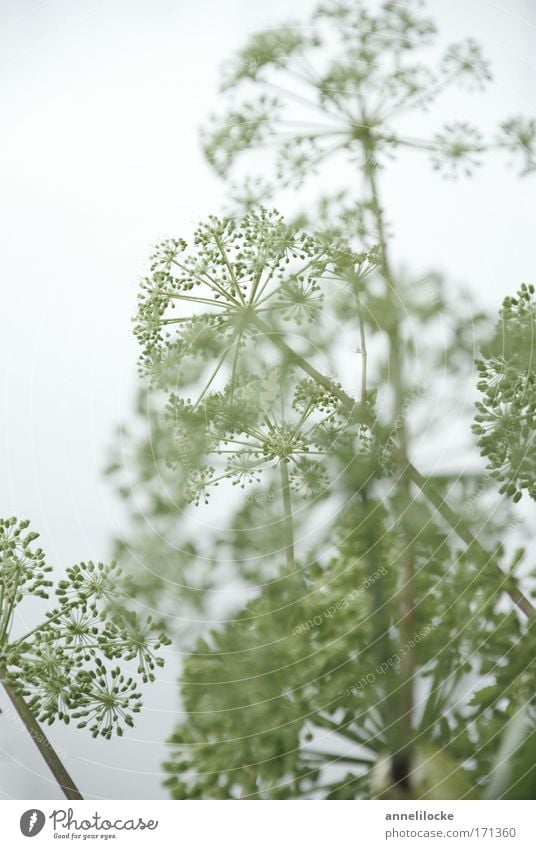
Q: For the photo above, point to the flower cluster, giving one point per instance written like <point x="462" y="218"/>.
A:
<point x="311" y="107"/>
<point x="247" y="126"/>
<point x="233" y="274"/>
<point x="248" y="429"/>
<point x="239" y="284"/>
<point x="455" y="150"/>
<point x="518" y="135"/>
<point x="506" y="419"/>
<point x="66" y="666"/>
<point x="465" y="62"/>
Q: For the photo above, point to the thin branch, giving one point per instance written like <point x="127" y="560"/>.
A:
<point x="44" y="745"/>
<point x="355" y="409"/>
<point x="363" y="348"/>
<point x="287" y="510"/>
<point x="407" y="599"/>
<point x="339" y="758"/>
<point x="63" y="611"/>
<point x="343" y="730"/>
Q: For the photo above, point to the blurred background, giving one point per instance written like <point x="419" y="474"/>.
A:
<point x="101" y="102"/>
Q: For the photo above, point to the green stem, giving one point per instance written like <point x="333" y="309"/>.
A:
<point x="357" y="413"/>
<point x="230" y="270"/>
<point x="407" y="599"/>
<point x="343" y="730"/>
<point x="72" y="605"/>
<point x="364" y="355"/>
<point x="287" y="510"/>
<point x="333" y="756"/>
<point x="40" y="739"/>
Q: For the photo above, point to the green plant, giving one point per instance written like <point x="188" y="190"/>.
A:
<point x="73" y="664"/>
<point x="376" y="654"/>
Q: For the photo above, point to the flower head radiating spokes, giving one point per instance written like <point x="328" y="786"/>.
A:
<point x="456" y="149"/>
<point x="241" y="287"/>
<point x="465" y="62"/>
<point x="248" y="431"/>
<point x="108" y="700"/>
<point x="310" y="105"/>
<point x="61" y="665"/>
<point x="234" y="276"/>
<point x="518" y="135"/>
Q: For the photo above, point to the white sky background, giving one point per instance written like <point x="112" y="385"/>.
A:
<point x="100" y="104"/>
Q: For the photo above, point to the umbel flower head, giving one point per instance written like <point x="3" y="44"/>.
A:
<point x="506" y="419"/>
<point x="239" y="286"/>
<point x="67" y="666"/>
<point x="233" y="279"/>
<point x="338" y="83"/>
<point x="247" y="430"/>
<point x="231" y="276"/>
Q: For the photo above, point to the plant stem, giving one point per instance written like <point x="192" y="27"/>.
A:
<point x="364" y="355"/>
<point x="353" y="407"/>
<point x="44" y="745"/>
<point x="407" y="577"/>
<point x="339" y="758"/>
<point x="287" y="510"/>
<point x="343" y="730"/>
<point x="63" y="611"/>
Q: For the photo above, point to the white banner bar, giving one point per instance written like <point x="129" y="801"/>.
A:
<point x="269" y="825"/>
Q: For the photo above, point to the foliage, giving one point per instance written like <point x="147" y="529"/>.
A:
<point x="383" y="645"/>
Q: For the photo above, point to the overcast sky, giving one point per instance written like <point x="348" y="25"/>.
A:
<point x="100" y="103"/>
